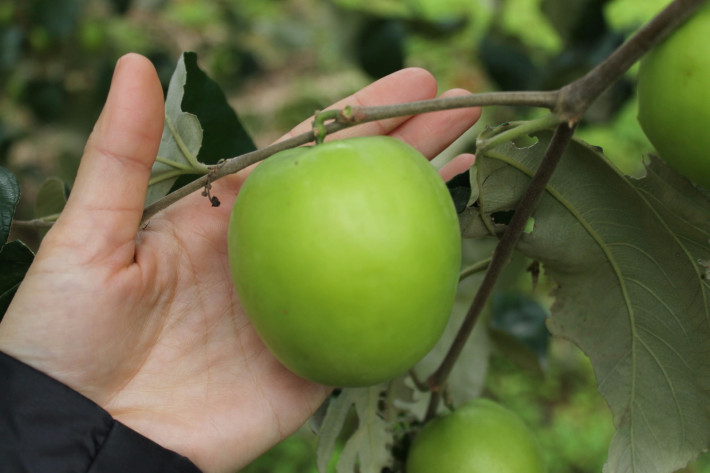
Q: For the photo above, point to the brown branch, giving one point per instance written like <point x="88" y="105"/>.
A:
<point x="355" y="116"/>
<point x="575" y="98"/>
<point x="34" y="224"/>
<point x="501" y="256"/>
<point x="573" y="101"/>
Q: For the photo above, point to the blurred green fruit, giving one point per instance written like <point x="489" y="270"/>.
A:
<point x="674" y="98"/>
<point x="345" y="257"/>
<point x="478" y="437"/>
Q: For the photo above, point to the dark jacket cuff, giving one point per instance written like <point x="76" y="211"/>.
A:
<point x="45" y="426"/>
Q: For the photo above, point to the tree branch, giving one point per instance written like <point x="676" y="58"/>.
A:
<point x="37" y="223"/>
<point x="501" y="256"/>
<point x="350" y="117"/>
<point x="574" y="99"/>
<point x="569" y="103"/>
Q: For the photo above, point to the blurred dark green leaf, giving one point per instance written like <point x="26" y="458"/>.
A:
<point x="460" y="190"/>
<point x="516" y="352"/>
<point x="15" y="259"/>
<point x="58" y="18"/>
<point x="381" y="46"/>
<point x="576" y="21"/>
<point x="46" y="97"/>
<point x="507" y="61"/>
<point x="9" y="196"/>
<point x="523" y="319"/>
<point x="10" y="47"/>
<point x="51" y="198"/>
<point x="121" y="6"/>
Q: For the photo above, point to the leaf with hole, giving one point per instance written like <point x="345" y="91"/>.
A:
<point x="369" y="446"/>
<point x="627" y="256"/>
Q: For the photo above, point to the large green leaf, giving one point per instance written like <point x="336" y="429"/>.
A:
<point x="15" y="259"/>
<point x="224" y="135"/>
<point x="630" y="258"/>
<point x="9" y="196"/>
<point x="181" y="140"/>
<point x="200" y="129"/>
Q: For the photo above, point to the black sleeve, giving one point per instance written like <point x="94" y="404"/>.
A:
<point x="46" y="427"/>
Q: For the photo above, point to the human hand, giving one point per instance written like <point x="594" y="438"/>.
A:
<point x="145" y="321"/>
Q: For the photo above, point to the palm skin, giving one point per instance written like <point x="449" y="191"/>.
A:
<point x="145" y="321"/>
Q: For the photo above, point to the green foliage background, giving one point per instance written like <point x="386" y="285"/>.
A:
<point x="279" y="61"/>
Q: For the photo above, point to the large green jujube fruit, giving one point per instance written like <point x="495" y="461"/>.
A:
<point x="345" y="257"/>
<point x="674" y="98"/>
<point x="479" y="437"/>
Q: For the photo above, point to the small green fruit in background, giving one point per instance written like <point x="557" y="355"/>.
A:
<point x="674" y="98"/>
<point x="478" y="437"/>
<point x="345" y="257"/>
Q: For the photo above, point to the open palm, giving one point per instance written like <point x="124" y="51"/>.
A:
<point x="144" y="321"/>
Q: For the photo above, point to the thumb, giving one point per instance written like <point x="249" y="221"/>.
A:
<point x="105" y="206"/>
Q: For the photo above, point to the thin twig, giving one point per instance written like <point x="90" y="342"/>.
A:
<point x="474" y="268"/>
<point x="36" y="223"/>
<point x="355" y="116"/>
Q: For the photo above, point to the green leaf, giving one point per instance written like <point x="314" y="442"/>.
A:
<point x="200" y="129"/>
<point x="384" y="8"/>
<point x="627" y="256"/>
<point x="336" y="413"/>
<point x="15" y="259"/>
<point x="9" y="196"/>
<point x="369" y="446"/>
<point x="522" y="318"/>
<point x="224" y="135"/>
<point x="51" y="198"/>
<point x="181" y="140"/>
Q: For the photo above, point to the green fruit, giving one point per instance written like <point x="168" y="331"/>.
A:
<point x="345" y="257"/>
<point x="478" y="437"/>
<point x="674" y="98"/>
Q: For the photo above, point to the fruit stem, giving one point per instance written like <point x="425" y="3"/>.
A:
<point x="319" y="128"/>
<point x="523" y="129"/>
<point x="474" y="268"/>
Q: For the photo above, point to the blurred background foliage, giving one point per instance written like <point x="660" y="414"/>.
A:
<point x="280" y="60"/>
